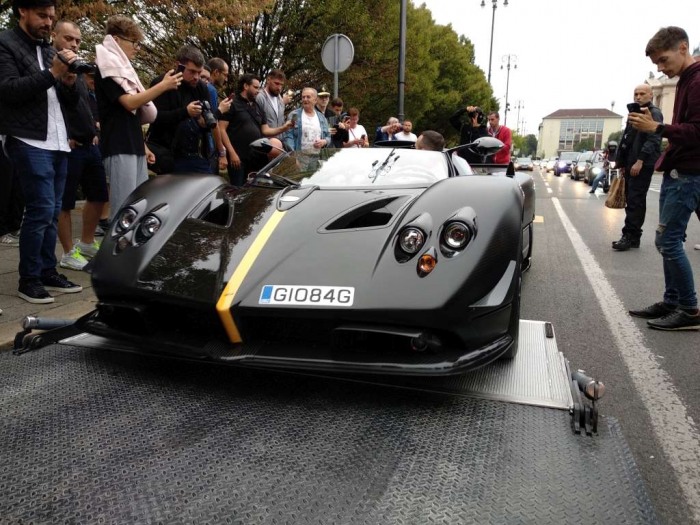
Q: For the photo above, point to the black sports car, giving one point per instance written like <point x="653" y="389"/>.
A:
<point x="379" y="260"/>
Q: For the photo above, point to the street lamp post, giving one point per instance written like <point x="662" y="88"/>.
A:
<point x="517" y="121"/>
<point x="494" y="4"/>
<point x="508" y="59"/>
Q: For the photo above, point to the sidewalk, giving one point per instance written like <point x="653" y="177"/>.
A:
<point x="66" y="306"/>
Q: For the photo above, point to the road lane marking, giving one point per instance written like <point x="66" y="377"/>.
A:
<point x="673" y="428"/>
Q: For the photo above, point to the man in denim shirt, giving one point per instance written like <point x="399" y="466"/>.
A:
<point x="680" y="190"/>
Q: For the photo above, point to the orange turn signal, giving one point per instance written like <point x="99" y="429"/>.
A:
<point x="426" y="264"/>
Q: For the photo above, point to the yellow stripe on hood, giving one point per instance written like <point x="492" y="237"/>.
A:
<point x="223" y="305"/>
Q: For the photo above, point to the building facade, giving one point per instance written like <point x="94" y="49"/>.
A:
<point x="563" y="129"/>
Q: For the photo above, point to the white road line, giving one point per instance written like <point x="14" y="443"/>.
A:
<point x="550" y="190"/>
<point x="675" y="431"/>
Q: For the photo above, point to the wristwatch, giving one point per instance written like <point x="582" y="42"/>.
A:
<point x="660" y="129"/>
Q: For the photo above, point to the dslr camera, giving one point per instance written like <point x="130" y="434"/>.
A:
<point x="479" y="115"/>
<point x="207" y="115"/>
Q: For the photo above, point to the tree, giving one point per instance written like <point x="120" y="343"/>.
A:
<point x="585" y="144"/>
<point x="616" y="136"/>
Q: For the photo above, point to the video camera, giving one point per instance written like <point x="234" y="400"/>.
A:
<point x="77" y="66"/>
<point x="479" y="115"/>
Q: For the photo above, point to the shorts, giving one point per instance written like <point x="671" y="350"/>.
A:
<point x="85" y="168"/>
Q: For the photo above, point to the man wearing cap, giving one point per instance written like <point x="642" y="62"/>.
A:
<point x="322" y="103"/>
<point x="33" y="129"/>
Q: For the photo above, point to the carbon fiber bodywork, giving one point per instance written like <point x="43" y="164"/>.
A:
<point x="216" y="242"/>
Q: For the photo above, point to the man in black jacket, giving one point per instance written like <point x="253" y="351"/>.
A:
<point x="35" y="138"/>
<point x="637" y="155"/>
<point x="180" y="126"/>
<point x="469" y="130"/>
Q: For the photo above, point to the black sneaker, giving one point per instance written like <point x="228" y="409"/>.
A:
<point x="654" y="311"/>
<point x="625" y="243"/>
<point x="678" y="320"/>
<point x="34" y="292"/>
<point x="55" y="282"/>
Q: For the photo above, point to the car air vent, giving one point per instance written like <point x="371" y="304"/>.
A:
<point x="368" y="215"/>
<point x="216" y="208"/>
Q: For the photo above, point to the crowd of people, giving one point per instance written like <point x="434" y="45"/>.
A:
<point x="70" y="126"/>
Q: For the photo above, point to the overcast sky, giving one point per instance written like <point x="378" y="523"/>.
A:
<point x="570" y="53"/>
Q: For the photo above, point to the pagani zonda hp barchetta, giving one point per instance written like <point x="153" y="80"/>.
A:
<point x="381" y="260"/>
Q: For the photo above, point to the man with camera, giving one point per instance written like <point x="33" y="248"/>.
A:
<point x="85" y="166"/>
<point x="179" y="136"/>
<point x="33" y="129"/>
<point x="470" y="129"/>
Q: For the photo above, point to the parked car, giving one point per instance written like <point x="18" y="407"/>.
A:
<point x="563" y="165"/>
<point x="384" y="260"/>
<point x="524" y="164"/>
<point x="580" y="166"/>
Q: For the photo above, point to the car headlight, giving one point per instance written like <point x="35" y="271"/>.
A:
<point x="581" y="168"/>
<point x="456" y="235"/>
<point x="126" y="218"/>
<point x="562" y="164"/>
<point x="595" y="171"/>
<point x="150" y="225"/>
<point x="411" y="240"/>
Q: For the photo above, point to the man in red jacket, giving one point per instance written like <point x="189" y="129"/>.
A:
<point x="680" y="189"/>
<point x="503" y="134"/>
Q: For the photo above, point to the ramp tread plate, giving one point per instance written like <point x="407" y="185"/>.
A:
<point x="98" y="437"/>
<point x="536" y="376"/>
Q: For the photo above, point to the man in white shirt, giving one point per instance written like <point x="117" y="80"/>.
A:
<point x="36" y="139"/>
<point x="357" y="134"/>
<point x="405" y="133"/>
<point x="310" y="131"/>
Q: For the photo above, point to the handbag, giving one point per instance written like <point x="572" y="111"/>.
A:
<point x="616" y="195"/>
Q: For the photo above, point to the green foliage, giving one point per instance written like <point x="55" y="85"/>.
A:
<point x="616" y="136"/>
<point x="256" y="36"/>
<point x="585" y="144"/>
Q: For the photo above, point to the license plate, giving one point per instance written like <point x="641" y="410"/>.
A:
<point x="307" y="295"/>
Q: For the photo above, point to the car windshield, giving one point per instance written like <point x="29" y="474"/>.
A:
<point x="585" y="156"/>
<point x="568" y="155"/>
<point x="523" y="160"/>
<point x="358" y="167"/>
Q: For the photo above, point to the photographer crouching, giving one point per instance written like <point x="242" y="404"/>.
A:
<point x="469" y="129"/>
<point x="179" y="137"/>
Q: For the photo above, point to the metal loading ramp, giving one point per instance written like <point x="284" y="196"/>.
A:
<point x="90" y="436"/>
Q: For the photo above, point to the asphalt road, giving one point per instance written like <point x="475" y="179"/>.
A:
<point x="584" y="288"/>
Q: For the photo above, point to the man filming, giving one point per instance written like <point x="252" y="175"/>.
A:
<point x="470" y="129"/>
<point x="179" y="137"/>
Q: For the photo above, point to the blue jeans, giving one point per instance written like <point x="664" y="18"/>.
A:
<point x="42" y="177"/>
<point x="679" y="197"/>
<point x="598" y="179"/>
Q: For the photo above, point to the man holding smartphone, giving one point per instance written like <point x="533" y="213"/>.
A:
<point x="680" y="190"/>
<point x="637" y="156"/>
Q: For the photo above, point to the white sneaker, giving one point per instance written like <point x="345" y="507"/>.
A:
<point x="73" y="260"/>
<point x="88" y="250"/>
<point x="10" y="239"/>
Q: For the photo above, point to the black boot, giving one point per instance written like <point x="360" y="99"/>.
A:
<point x="624" y="244"/>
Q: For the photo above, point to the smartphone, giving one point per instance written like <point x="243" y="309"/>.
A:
<point x="293" y="117"/>
<point x="180" y="68"/>
<point x="634" y="107"/>
<point x="230" y="97"/>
